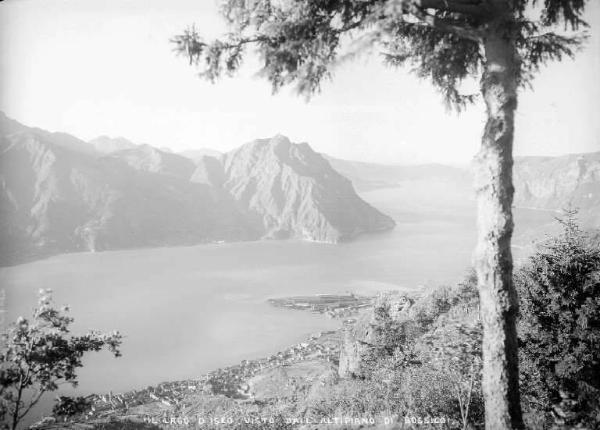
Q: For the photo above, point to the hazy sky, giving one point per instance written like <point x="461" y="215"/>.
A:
<point x="92" y="67"/>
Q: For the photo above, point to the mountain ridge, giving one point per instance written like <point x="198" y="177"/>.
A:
<point x="60" y="194"/>
<point x="541" y="182"/>
<point x="272" y="178"/>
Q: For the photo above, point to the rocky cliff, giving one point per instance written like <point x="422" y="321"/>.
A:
<point x="295" y="193"/>
<point x="546" y="183"/>
<point x="54" y="200"/>
<point x="360" y="336"/>
<point x="60" y="194"/>
<point x="557" y="182"/>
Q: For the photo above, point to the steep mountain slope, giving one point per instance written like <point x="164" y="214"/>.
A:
<point x="544" y="183"/>
<point x="62" y="140"/>
<point x="149" y="159"/>
<point x="53" y="200"/>
<point x="556" y="182"/>
<point x="296" y="193"/>
<point x="60" y="194"/>
<point x="209" y="171"/>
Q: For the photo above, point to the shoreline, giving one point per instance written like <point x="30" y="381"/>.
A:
<point x="233" y="382"/>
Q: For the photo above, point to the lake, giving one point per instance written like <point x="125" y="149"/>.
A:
<point x="187" y="310"/>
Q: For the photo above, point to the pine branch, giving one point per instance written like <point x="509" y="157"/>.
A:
<point x="460" y="29"/>
<point x="472" y="8"/>
<point x="537" y="49"/>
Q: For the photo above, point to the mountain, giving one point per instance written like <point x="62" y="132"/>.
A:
<point x="196" y="154"/>
<point x="557" y="182"/>
<point x="542" y="183"/>
<point x="55" y="200"/>
<point x="61" y="194"/>
<point x="210" y="171"/>
<point x="295" y="192"/>
<point x="369" y="176"/>
<point x="146" y="158"/>
<point x="63" y="140"/>
<point x="107" y="145"/>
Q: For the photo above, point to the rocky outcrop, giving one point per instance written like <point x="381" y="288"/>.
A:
<point x="557" y="182"/>
<point x="360" y="336"/>
<point x="552" y="182"/>
<point x="295" y="193"/>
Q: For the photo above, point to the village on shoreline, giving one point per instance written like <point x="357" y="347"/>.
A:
<point x="234" y="381"/>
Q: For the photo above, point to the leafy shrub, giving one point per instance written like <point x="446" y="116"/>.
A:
<point x="389" y="337"/>
<point x="428" y="308"/>
<point x="458" y="300"/>
<point x="38" y="354"/>
<point x="68" y="406"/>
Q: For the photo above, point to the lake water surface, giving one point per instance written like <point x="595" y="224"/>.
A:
<point x="188" y="310"/>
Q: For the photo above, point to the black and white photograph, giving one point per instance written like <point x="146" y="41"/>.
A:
<point x="299" y="214"/>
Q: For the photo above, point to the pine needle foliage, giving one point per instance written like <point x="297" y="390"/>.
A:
<point x="299" y="42"/>
<point x="559" y="327"/>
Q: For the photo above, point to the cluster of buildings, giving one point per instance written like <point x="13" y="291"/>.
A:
<point x="232" y="381"/>
<point x="332" y="305"/>
<point x="168" y="393"/>
<point x="229" y="381"/>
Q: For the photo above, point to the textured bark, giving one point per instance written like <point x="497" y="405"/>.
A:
<point x="493" y="258"/>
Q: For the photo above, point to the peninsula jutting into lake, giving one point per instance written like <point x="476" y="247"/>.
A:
<point x="332" y="305"/>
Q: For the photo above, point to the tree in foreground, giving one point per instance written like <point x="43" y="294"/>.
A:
<point x="559" y="327"/>
<point x="37" y="356"/>
<point x="501" y="42"/>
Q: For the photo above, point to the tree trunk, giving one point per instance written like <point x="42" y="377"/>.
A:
<point x="493" y="258"/>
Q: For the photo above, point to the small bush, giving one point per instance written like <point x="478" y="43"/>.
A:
<point x="459" y="300"/>
<point x="69" y="406"/>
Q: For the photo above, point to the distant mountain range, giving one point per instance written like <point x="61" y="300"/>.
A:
<point x="556" y="182"/>
<point x="61" y="194"/>
<point x="546" y="183"/>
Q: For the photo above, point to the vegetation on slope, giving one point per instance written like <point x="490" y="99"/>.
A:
<point x="421" y="364"/>
<point x="428" y="364"/>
